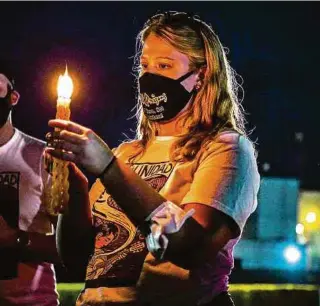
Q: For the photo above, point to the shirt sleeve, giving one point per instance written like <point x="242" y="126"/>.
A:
<point x="227" y="178"/>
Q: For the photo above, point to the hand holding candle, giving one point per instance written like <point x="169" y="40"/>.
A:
<point x="60" y="184"/>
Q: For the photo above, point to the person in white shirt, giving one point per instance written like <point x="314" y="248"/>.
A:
<point x="27" y="241"/>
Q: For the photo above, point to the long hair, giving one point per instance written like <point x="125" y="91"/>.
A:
<point x="215" y="106"/>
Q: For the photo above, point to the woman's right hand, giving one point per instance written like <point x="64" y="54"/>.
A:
<point x="80" y="145"/>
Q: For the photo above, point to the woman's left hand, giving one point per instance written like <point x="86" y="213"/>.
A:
<point x="80" y="145"/>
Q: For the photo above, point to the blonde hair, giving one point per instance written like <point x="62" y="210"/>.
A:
<point x="216" y="106"/>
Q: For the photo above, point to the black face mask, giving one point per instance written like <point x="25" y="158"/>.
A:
<point x="5" y="107"/>
<point x="163" y="98"/>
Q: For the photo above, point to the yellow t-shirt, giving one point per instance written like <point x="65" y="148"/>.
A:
<point x="121" y="271"/>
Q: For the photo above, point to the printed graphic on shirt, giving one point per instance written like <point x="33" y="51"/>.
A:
<point x="9" y="210"/>
<point x="9" y="191"/>
<point x="156" y="174"/>
<point x="120" y="248"/>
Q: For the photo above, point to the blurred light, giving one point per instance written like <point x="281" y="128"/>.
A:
<point x="311" y="217"/>
<point x="266" y="167"/>
<point x="292" y="254"/>
<point x="299" y="229"/>
<point x="299" y="136"/>
<point x="302" y="239"/>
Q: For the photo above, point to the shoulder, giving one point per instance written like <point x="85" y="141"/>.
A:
<point x="29" y="145"/>
<point x="31" y="149"/>
<point x="31" y="141"/>
<point x="229" y="146"/>
<point x="229" y="141"/>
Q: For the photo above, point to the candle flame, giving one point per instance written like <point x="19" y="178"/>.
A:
<point x="65" y="85"/>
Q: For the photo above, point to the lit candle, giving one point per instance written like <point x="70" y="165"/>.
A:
<point x="60" y="184"/>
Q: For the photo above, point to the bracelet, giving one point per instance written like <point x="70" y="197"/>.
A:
<point x="23" y="240"/>
<point x="101" y="175"/>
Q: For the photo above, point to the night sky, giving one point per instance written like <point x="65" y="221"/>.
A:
<point x="274" y="46"/>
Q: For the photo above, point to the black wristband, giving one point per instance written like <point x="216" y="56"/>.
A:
<point x="101" y="175"/>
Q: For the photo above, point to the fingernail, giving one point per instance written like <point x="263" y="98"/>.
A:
<point x="49" y="135"/>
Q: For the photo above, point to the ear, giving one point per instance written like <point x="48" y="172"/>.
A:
<point x="15" y="96"/>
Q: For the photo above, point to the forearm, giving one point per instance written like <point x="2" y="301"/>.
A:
<point x="131" y="193"/>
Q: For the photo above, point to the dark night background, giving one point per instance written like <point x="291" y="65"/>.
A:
<point x="274" y="46"/>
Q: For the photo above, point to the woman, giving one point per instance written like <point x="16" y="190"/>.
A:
<point x="174" y="200"/>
